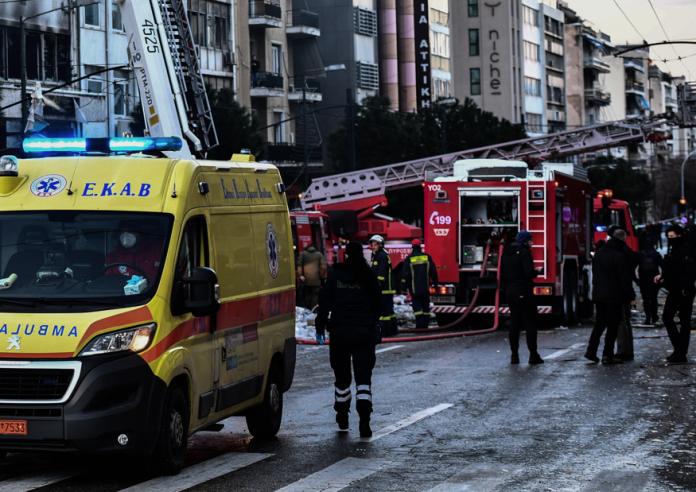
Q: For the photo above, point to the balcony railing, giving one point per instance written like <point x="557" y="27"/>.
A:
<point x="268" y="84"/>
<point x="597" y="96"/>
<point x="265" y="14"/>
<point x="670" y="101"/>
<point x="635" y="87"/>
<point x="302" y="23"/>
<point x="596" y="64"/>
<point x="635" y="64"/>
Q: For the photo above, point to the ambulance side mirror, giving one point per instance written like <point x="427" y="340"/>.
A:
<point x="198" y="294"/>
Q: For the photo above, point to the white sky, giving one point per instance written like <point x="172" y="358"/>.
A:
<point x="677" y="16"/>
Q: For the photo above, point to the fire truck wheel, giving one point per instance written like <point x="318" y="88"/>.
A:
<point x="570" y="297"/>
<point x="264" y="421"/>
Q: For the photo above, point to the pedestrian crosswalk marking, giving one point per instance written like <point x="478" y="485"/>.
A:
<point x="388" y="348"/>
<point x="197" y="474"/>
<point x="412" y="419"/>
<point x="23" y="484"/>
<point x="556" y="355"/>
<point x="337" y="476"/>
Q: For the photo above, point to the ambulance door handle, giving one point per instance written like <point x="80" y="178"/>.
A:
<point x="216" y="366"/>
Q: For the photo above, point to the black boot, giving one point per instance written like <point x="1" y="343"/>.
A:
<point x="365" y="430"/>
<point x="342" y="420"/>
<point x="514" y="359"/>
<point x="535" y="359"/>
<point x="591" y="356"/>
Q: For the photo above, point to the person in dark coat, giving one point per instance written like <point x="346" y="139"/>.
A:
<point x="624" y="338"/>
<point x="352" y="295"/>
<point x="649" y="264"/>
<point x="518" y="281"/>
<point x="611" y="289"/>
<point x="678" y="277"/>
<point x="381" y="265"/>
<point x="656" y="232"/>
<point x="418" y="271"/>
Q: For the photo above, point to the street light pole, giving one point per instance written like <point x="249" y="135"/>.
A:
<point x="682" y="173"/>
<point x="304" y="130"/>
<point x="351" y="131"/>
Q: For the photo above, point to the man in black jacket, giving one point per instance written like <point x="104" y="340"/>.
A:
<point x="678" y="277"/>
<point x="649" y="264"/>
<point x="518" y="280"/>
<point x="381" y="265"/>
<point x="418" y="271"/>
<point x="611" y="289"/>
<point x="352" y="295"/>
<point x="624" y="338"/>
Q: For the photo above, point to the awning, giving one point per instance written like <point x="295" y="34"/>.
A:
<point x="643" y="103"/>
<point x="594" y="41"/>
<point x="308" y="58"/>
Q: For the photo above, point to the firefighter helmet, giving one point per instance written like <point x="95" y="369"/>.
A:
<point x="377" y="238"/>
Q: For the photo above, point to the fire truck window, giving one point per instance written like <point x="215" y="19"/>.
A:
<point x="605" y="217"/>
<point x="316" y="236"/>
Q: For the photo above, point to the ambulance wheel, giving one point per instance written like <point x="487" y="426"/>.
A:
<point x="170" y="451"/>
<point x="264" y="421"/>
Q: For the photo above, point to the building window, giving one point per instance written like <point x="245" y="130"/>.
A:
<point x="120" y="92"/>
<point x="92" y="15"/>
<point x="441" y="88"/>
<point x="473" y="42"/>
<point x="473" y="8"/>
<point x="217" y="83"/>
<point x="534" y="124"/>
<point x="276" y="58"/>
<point x="279" y="127"/>
<point x="554" y="94"/>
<point x="440" y="45"/>
<point x="475" y="75"/>
<point x="531" y="51"/>
<point x="553" y="26"/>
<point x="47" y="55"/>
<point x="116" y="19"/>
<point x="532" y="87"/>
<point x="365" y="21"/>
<point x="530" y="16"/>
<point x="209" y="22"/>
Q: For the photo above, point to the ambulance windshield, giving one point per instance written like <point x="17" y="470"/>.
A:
<point x="84" y="257"/>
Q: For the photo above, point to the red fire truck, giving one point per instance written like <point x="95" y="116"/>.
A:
<point x="313" y="227"/>
<point x="471" y="215"/>
<point x="608" y="212"/>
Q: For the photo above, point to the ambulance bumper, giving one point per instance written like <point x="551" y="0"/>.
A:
<point x="113" y="397"/>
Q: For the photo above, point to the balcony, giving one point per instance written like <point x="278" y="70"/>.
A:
<point x="312" y="91"/>
<point x="264" y="14"/>
<point x="555" y="115"/>
<point x="598" y="97"/>
<point x="635" y="88"/>
<point x="269" y="85"/>
<point x="670" y="102"/>
<point x="289" y="155"/>
<point x="634" y="64"/>
<point x="596" y="64"/>
<point x="302" y="24"/>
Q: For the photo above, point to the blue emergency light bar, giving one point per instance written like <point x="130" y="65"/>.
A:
<point x="103" y="145"/>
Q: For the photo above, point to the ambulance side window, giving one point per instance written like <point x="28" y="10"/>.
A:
<point x="193" y="251"/>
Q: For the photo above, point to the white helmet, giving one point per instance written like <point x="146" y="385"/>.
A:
<point x="377" y="238"/>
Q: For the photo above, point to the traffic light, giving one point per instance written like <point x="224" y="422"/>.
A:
<point x="682" y="201"/>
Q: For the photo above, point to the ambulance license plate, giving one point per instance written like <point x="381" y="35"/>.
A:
<point x="442" y="299"/>
<point x="13" y="427"/>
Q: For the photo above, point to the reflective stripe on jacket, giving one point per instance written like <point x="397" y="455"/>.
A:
<point x="381" y="265"/>
<point x="418" y="272"/>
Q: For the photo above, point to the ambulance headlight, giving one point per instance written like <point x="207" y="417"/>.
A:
<point x="9" y="165"/>
<point x="133" y="339"/>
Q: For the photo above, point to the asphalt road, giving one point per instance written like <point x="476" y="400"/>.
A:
<point x="450" y="415"/>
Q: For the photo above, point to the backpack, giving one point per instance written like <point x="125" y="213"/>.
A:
<point x="647" y="263"/>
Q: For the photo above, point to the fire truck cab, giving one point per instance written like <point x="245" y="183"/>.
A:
<point x="483" y="207"/>
<point x="312" y="227"/>
<point x="608" y="212"/>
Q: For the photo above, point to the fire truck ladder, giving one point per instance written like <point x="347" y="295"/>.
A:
<point x="375" y="181"/>
<point x="538" y="233"/>
<point x="185" y="61"/>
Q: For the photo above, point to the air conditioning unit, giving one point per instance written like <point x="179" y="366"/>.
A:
<point x="228" y="58"/>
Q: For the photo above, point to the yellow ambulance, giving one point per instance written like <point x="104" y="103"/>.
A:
<point x="142" y="299"/>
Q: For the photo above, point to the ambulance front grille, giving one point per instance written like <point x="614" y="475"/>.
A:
<point x="34" y="384"/>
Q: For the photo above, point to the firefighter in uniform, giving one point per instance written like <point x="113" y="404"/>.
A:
<point x="353" y="296"/>
<point x="381" y="265"/>
<point x="418" y="271"/>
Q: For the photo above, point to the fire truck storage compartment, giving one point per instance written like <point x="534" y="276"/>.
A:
<point x="482" y="213"/>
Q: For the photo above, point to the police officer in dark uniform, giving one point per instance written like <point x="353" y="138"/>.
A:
<point x="352" y="295"/>
<point x="518" y="280"/>
<point x="418" y="271"/>
<point x="678" y="277"/>
<point x="381" y="265"/>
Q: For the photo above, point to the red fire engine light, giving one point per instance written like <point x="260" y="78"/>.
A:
<point x="556" y="184"/>
<point x="423" y="184"/>
<point x="442" y="290"/>
<point x="682" y="201"/>
<point x="608" y="193"/>
<point x="543" y="291"/>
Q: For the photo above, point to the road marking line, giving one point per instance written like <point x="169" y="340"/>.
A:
<point x="388" y="348"/>
<point x="476" y="478"/>
<point x="337" y="476"/>
<point x="406" y="422"/>
<point x="556" y="355"/>
<point x="22" y="484"/>
<point x="197" y="474"/>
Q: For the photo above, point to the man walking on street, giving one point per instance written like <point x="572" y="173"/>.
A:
<point x="649" y="264"/>
<point x="418" y="271"/>
<point x="624" y="338"/>
<point x="612" y="288"/>
<point x="518" y="280"/>
<point x="311" y="268"/>
<point x="678" y="277"/>
<point x="381" y="266"/>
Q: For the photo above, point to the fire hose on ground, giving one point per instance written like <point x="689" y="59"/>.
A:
<point x="466" y="313"/>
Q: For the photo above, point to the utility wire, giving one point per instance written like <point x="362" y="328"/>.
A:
<point x="667" y="35"/>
